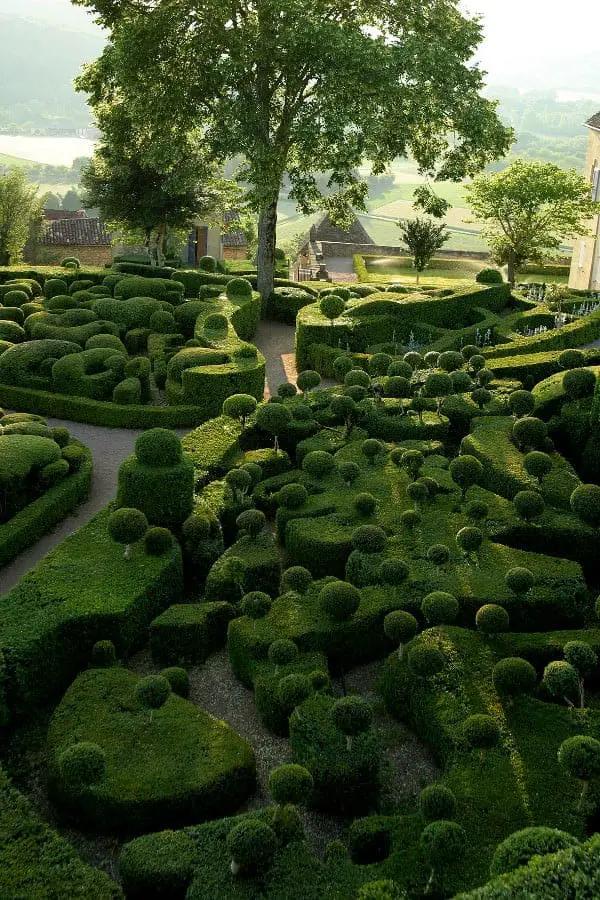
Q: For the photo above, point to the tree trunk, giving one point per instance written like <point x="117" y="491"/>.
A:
<point x="267" y="234"/>
<point x="511" y="268"/>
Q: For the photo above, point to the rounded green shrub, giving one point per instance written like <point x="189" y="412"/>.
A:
<point x="104" y="654"/>
<point x="400" y="369"/>
<point x="179" y="680"/>
<point x="127" y="525"/>
<point x="369" y="539"/>
<point x="537" y="464"/>
<point x="297" y="579"/>
<point x="438" y="384"/>
<point x="425" y="661"/>
<point x="437" y="802"/>
<point x="365" y="504"/>
<point x="292" y="496"/>
<point x="414" y="360"/>
<point x="369" y="841"/>
<point x="410" y="518"/>
<point x="54" y="286"/>
<point x="438" y="554"/>
<point x="529" y="432"/>
<point x="481" y="396"/>
<point x="400" y="627"/>
<point x="308" y="380"/>
<point x="82" y="765"/>
<point x="528" y="505"/>
<point x="341" y="366"/>
<point x="273" y="418"/>
<point x="207" y="264"/>
<point x="252" y="845"/>
<point x="282" y="652"/>
<point x="379" y="364"/>
<point x="153" y="691"/>
<point x="579" y="383"/>
<point x="519" y="579"/>
<point x="480" y="732"/>
<point x="256" y="604"/>
<point x="520" y="847"/>
<point x="349" y="472"/>
<point x="371" y="449"/>
<point x="561" y="680"/>
<point x="352" y="715"/>
<point x="158" y="447"/>
<point x="513" y="676"/>
<point x="287" y="390"/>
<point x="571" y="359"/>
<point x="417" y="492"/>
<point x="54" y="472"/>
<point x="339" y="600"/>
<point x="521" y="403"/>
<point x="585" y="503"/>
<point x="492" y="619"/>
<point x="581" y="656"/>
<point x="162" y="322"/>
<point x="290" y="783"/>
<point x="239" y="406"/>
<point x="450" y="360"/>
<point x="238" y="289"/>
<point x="252" y="521"/>
<point x="489" y="276"/>
<point x="580" y="757"/>
<point x="393" y="572"/>
<point x="442" y="843"/>
<point x="158" y="541"/>
<point x="462" y="382"/>
<point x="440" y="608"/>
<point x="318" y="463"/>
<point x="215" y="322"/>
<point x="357" y="378"/>
<point x="469" y="539"/>
<point x="293" y="690"/>
<point x="465" y="472"/>
<point x="332" y="306"/>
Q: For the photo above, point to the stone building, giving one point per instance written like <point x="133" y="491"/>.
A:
<point x="585" y="266"/>
<point x="87" y="239"/>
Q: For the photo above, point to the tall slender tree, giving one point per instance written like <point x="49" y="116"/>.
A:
<point x="300" y="89"/>
<point x="422" y="237"/>
<point x="21" y="214"/>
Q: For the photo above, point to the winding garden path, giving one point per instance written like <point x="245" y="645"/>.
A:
<point x="110" y="446"/>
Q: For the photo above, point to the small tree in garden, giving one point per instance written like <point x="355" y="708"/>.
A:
<point x="580" y="758"/>
<point x="412" y="461"/>
<point x="371" y="449"/>
<point x="521" y="846"/>
<point x="293" y="690"/>
<point x="332" y="307"/>
<point x="153" y="691"/>
<point x="344" y="407"/>
<point x="519" y="580"/>
<point x="290" y="783"/>
<point x="481" y="396"/>
<point x="469" y="539"/>
<point x="442" y="843"/>
<point x="422" y="238"/>
<point x="440" y="608"/>
<point x="528" y="505"/>
<point x="521" y="403"/>
<point x="352" y="716"/>
<point x="529" y="433"/>
<point x="252" y="521"/>
<point x="400" y="627"/>
<point x="561" y="681"/>
<point x="438" y="554"/>
<point x="240" y="482"/>
<point x="297" y="579"/>
<point x="513" y="676"/>
<point x="282" y="653"/>
<point x="585" y="503"/>
<point x="339" y="600"/>
<point x="437" y="802"/>
<point x="492" y="619"/>
<point x="481" y="732"/>
<point x="239" y="406"/>
<point x="584" y="661"/>
<point x="418" y="493"/>
<point x="425" y="661"/>
<point x="538" y="465"/>
<point x="579" y="384"/>
<point x="82" y="765"/>
<point x="126" y="526"/>
<point x="466" y="471"/>
<point x="274" y="418"/>
<point x="307" y="381"/>
<point x="252" y="845"/>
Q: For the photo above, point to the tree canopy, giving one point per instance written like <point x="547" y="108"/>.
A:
<point x="21" y="214"/>
<point x="302" y="89"/>
<point x="422" y="237"/>
<point x="529" y="209"/>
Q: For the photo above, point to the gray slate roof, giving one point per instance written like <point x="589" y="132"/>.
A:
<point x="77" y="232"/>
<point x="594" y="122"/>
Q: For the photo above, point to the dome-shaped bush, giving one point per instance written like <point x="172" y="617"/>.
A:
<point x="293" y="690"/>
<point x="461" y="382"/>
<point x="571" y="359"/>
<point x="437" y="802"/>
<point x="438" y="384"/>
<point x="489" y="276"/>
<point x="561" y="680"/>
<point x="286" y="390"/>
<point x="319" y="679"/>
<point x="438" y="554"/>
<point x="126" y="526"/>
<point x="379" y="364"/>
<point x="580" y="757"/>
<point x="369" y="539"/>
<point x="356" y="393"/>
<point x="414" y="359"/>
<point x="162" y="322"/>
<point x="252" y="521"/>
<point x="308" y="380"/>
<point x="469" y="539"/>
<point x="481" y="397"/>
<point x="332" y="306"/>
<point x="579" y="383"/>
<point x="537" y="464"/>
<point x="283" y="652"/>
<point x="290" y="783"/>
<point x="581" y="656"/>
<point x="440" y="608"/>
<point x="519" y="579"/>
<point x="252" y="845"/>
<point x="82" y="765"/>
<point x="339" y="600"/>
<point x="400" y="369"/>
<point x="157" y="541"/>
<point x="480" y="732"/>
<point x="296" y="578"/>
<point x="239" y="406"/>
<point x="426" y="661"/>
<point x="318" y="463"/>
<point x="365" y="504"/>
<point x="342" y="406"/>
<point x="215" y="322"/>
<point x="476" y="510"/>
<point x="400" y="627"/>
<point x="417" y="492"/>
<point x="450" y="360"/>
<point x="256" y="604"/>
<point x="513" y="676"/>
<point x="476" y="362"/>
<point x="466" y="471"/>
<point x="238" y="289"/>
<point x="357" y="378"/>
<point x="158" y="447"/>
<point x="529" y="505"/>
<point x="410" y="518"/>
<point x="397" y="387"/>
<point x="492" y="619"/>
<point x="521" y="403"/>
<point x="292" y="496"/>
<point x="529" y="432"/>
<point x="520" y="847"/>
<point x="104" y="654"/>
<point x="432" y="359"/>
<point x="239" y="480"/>
<point x="393" y="572"/>
<point x="341" y="366"/>
<point x="371" y="449"/>
<point x="153" y="691"/>
<point x="179" y="680"/>
<point x="273" y="418"/>
<point x="585" y="503"/>
<point x="352" y="715"/>
<point x="442" y="843"/>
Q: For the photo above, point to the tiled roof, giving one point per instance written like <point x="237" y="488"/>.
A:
<point x="77" y="233"/>
<point x="594" y="122"/>
<point x="53" y="215"/>
<point x="234" y="239"/>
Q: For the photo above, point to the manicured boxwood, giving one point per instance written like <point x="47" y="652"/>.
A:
<point x="189" y="633"/>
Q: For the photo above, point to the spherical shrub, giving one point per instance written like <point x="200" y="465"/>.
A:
<point x="379" y="364"/>
<point x="580" y="757"/>
<point x="560" y="679"/>
<point x="410" y="518"/>
<point x="54" y="472"/>
<point x="252" y="521"/>
<point x="521" y="403"/>
<point x="529" y="432"/>
<point x="414" y="359"/>
<point x="397" y="387"/>
<point x="318" y="463"/>
<point x="369" y="841"/>
<point x="443" y="842"/>
<point x="239" y="406"/>
<point x="476" y="510"/>
<point x="158" y="447"/>
<point x="426" y="661"/>
<point x="332" y="306"/>
<point x="293" y="690"/>
<point x="450" y="360"/>
<point x="319" y="679"/>
<point x="469" y="351"/>
<point x="287" y="390"/>
<point x="153" y="691"/>
<point x="292" y="496"/>
<point x="339" y="600"/>
<point x="341" y="366"/>
<point x="296" y="578"/>
<point x="356" y="393"/>
<point x="254" y="471"/>
<point x="252" y="845"/>
<point x="215" y="322"/>
<point x="342" y="406"/>
<point x="369" y="539"/>
<point x="282" y="652"/>
<point x="352" y="715"/>
<point x="528" y="505"/>
<point x="196" y="529"/>
<point x="481" y="397"/>
<point x="477" y="362"/>
<point x="162" y="322"/>
<point x="256" y="604"/>
<point x="466" y="471"/>
<point x="393" y="572"/>
<point x="179" y="680"/>
<point x="82" y="765"/>
<point x="291" y="783"/>
<point x="520" y="847"/>
<point x="585" y="503"/>
<point x="489" y="276"/>
<point x="207" y="264"/>
<point x="492" y="619"/>
<point x="246" y="351"/>
<point x="400" y="369"/>
<point x="371" y="448"/>
<point x="104" y="654"/>
<point x="485" y="376"/>
<point x="581" y="656"/>
<point x="60" y="435"/>
<point x="357" y="378"/>
<point x="157" y="541"/>
<point x="438" y="385"/>
<point x="519" y="579"/>
<point x="461" y="382"/>
<point x="438" y="554"/>
<point x="579" y="383"/>
<point x="469" y="539"/>
<point x="417" y="492"/>
<point x="400" y="626"/>
<point x="308" y="380"/>
<point x="301" y="412"/>
<point x="513" y="676"/>
<point x="571" y="359"/>
<point x="480" y="732"/>
<point x="334" y="851"/>
<point x="440" y="608"/>
<point x="126" y="526"/>
<point x="365" y="504"/>
<point x="437" y="802"/>
<point x="238" y="288"/>
<point x="537" y="464"/>
<point x="273" y="418"/>
<point x="432" y="359"/>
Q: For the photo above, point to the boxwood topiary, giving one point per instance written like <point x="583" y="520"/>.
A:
<point x="339" y="600"/>
<point x="521" y="846"/>
<point x="252" y="845"/>
<point x="437" y="802"/>
<point x="513" y="676"/>
<point x="179" y="680"/>
<point x="158" y="541"/>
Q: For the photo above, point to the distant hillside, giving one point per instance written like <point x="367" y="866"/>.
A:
<point x="38" y="62"/>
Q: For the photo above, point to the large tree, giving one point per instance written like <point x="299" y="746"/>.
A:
<point x="21" y="214"/>
<point x="302" y="88"/>
<point x="138" y="195"/>
<point x="422" y="237"/>
<point x="529" y="209"/>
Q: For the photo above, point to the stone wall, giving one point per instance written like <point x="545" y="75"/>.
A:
<point x="88" y="256"/>
<point x="331" y="249"/>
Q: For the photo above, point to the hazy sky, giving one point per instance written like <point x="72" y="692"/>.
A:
<point x="527" y="42"/>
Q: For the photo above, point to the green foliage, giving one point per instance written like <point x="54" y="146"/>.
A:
<point x="513" y="676"/>
<point x="489" y="276"/>
<point x="492" y="619"/>
<point x="82" y="765"/>
<point x="437" y="802"/>
<point x="252" y="845"/>
<point x="158" y="541"/>
<point x="466" y="471"/>
<point x="585" y="503"/>
<point x="440" y="608"/>
<point x="422" y="237"/>
<point x="127" y="525"/>
<point x="291" y="784"/>
<point x="103" y="654"/>
<point x="339" y="600"/>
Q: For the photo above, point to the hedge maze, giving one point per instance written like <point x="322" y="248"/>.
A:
<point x="410" y="549"/>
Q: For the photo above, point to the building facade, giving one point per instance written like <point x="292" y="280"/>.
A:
<point x="585" y="266"/>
